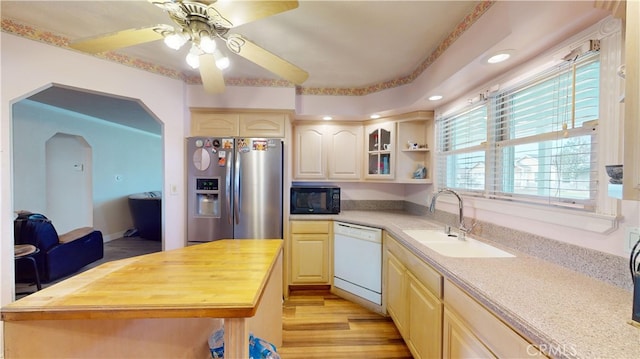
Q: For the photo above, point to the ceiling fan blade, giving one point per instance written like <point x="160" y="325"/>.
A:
<point x="119" y="39"/>
<point x="266" y="59"/>
<point x="211" y="75"/>
<point x="242" y="12"/>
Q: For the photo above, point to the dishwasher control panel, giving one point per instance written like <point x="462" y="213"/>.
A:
<point x="357" y="231"/>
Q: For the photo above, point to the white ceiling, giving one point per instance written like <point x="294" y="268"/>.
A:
<point x="344" y="44"/>
<point x="340" y="43"/>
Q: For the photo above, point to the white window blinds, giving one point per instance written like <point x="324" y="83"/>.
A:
<point x="461" y="149"/>
<point x="534" y="142"/>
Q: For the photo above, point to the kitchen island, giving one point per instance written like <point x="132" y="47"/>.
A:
<point x="159" y="305"/>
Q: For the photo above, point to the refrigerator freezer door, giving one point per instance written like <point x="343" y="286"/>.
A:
<point x="209" y="172"/>
<point x="258" y="188"/>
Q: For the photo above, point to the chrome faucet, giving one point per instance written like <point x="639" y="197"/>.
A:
<point x="432" y="208"/>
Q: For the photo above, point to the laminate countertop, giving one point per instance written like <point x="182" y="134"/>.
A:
<point x="564" y="313"/>
<point x="221" y="279"/>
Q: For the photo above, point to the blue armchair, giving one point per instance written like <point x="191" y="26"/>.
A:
<point x="59" y="256"/>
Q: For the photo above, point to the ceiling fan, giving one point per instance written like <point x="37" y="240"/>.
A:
<point x="201" y="23"/>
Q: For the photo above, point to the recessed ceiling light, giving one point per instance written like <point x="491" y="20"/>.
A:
<point x="435" y="97"/>
<point x="500" y="56"/>
<point x="327" y="118"/>
<point x="374" y="116"/>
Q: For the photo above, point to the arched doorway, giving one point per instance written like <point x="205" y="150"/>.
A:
<point x="69" y="185"/>
<point x="78" y="155"/>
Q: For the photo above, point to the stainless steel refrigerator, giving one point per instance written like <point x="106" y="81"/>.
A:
<point x="234" y="188"/>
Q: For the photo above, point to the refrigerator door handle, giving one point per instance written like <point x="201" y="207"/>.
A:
<point x="228" y="189"/>
<point x="236" y="191"/>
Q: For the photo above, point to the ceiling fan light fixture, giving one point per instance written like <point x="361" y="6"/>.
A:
<point x="207" y="44"/>
<point x="193" y="60"/>
<point x="222" y="62"/>
<point x="176" y="40"/>
<point x="193" y="57"/>
<point x="198" y="22"/>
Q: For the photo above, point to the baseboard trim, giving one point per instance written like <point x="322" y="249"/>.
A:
<point x="307" y="287"/>
<point x="111" y="236"/>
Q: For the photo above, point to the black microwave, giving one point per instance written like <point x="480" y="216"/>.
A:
<point x="315" y="200"/>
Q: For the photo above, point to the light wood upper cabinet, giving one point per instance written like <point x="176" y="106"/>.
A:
<point x="388" y="155"/>
<point x="344" y="154"/>
<point x="380" y="150"/>
<point x="309" y="153"/>
<point x="262" y="124"/>
<point x="207" y="123"/>
<point x="327" y="151"/>
<point x="213" y="122"/>
<point x="370" y="150"/>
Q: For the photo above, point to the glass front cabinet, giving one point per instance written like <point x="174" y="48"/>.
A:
<point x="380" y="150"/>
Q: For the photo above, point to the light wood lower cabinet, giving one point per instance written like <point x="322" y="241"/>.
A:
<point x="471" y="329"/>
<point x="437" y="319"/>
<point x="310" y="252"/>
<point x="459" y="341"/>
<point x="424" y="320"/>
<point x="395" y="285"/>
<point x="412" y="297"/>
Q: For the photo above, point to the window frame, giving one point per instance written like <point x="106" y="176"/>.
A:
<point x="587" y="128"/>
<point x="529" y="216"/>
<point x="499" y="124"/>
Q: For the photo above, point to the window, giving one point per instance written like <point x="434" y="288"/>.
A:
<point x="462" y="148"/>
<point x="534" y="142"/>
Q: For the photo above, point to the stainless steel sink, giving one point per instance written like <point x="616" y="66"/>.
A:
<point x="449" y="245"/>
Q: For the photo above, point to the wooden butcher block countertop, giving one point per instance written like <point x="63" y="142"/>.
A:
<point x="221" y="279"/>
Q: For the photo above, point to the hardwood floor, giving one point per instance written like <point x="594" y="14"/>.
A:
<point x="318" y="324"/>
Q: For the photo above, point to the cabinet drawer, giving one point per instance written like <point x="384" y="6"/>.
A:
<point x="310" y="226"/>
<point x="496" y="335"/>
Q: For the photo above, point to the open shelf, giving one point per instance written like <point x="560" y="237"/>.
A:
<point x="418" y="130"/>
<point x="418" y="150"/>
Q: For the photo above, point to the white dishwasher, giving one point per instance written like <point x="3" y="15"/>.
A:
<point x="357" y="258"/>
